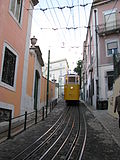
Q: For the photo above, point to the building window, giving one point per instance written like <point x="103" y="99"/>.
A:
<point x="112" y="48"/>
<point x="110" y="76"/>
<point x="8" y="71"/>
<point x="16" y="7"/>
<point x="9" y="68"/>
<point x="110" y="19"/>
<point x="60" y="72"/>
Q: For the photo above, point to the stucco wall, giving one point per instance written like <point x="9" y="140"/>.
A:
<point x="30" y="76"/>
<point x="15" y="36"/>
<point x="43" y="92"/>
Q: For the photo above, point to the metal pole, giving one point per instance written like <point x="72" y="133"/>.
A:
<point x="43" y="113"/>
<point x="47" y="82"/>
<point x="97" y="80"/>
<point x="36" y="116"/>
<point x="10" y="120"/>
<point x="25" y="120"/>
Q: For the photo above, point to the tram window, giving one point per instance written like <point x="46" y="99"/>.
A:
<point x="71" y="80"/>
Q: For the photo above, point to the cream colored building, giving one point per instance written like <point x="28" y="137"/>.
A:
<point x="57" y="71"/>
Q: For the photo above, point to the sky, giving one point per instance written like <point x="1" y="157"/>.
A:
<point x="60" y="26"/>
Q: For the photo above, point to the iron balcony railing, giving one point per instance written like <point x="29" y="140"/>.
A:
<point x="108" y="28"/>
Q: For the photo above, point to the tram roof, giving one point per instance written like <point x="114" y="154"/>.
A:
<point x="71" y="75"/>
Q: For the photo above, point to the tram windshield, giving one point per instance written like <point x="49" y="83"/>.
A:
<point x="71" y="80"/>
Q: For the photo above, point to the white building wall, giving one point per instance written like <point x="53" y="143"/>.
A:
<point x="103" y="82"/>
<point x="25" y="102"/>
<point x="57" y="71"/>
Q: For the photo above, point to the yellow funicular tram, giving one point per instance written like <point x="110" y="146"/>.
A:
<point x="71" y="88"/>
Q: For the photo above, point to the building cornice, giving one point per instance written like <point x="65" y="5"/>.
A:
<point x="39" y="55"/>
<point x="61" y="60"/>
<point x="57" y="69"/>
<point x="100" y="2"/>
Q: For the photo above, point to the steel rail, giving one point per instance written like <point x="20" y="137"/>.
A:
<point x="70" y="152"/>
<point x="43" y="143"/>
<point x="56" y="140"/>
<point x="78" y="137"/>
<point x="59" y="119"/>
<point x="85" y="137"/>
<point x="63" y="143"/>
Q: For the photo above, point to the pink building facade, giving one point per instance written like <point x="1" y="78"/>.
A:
<point x="101" y="44"/>
<point x="15" y="28"/>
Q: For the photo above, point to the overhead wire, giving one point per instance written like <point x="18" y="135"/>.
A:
<point x="58" y="19"/>
<point x="55" y="29"/>
<point x="70" y="8"/>
<point x="79" y="17"/>
<point x="85" y="11"/>
<point x="63" y="28"/>
<point x="47" y="17"/>
<point x="62" y="7"/>
<point x="73" y="19"/>
<point x="51" y="14"/>
<point x="60" y="37"/>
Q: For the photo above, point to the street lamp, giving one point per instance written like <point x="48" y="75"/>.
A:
<point x="33" y="42"/>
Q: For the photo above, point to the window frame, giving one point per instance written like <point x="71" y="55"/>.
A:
<point x="109" y="80"/>
<point x="19" y="20"/>
<point x="3" y="84"/>
<point x="107" y="13"/>
<point x="110" y="41"/>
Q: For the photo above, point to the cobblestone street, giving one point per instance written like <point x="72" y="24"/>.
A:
<point x="101" y="142"/>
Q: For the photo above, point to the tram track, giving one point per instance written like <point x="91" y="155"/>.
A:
<point x="39" y="141"/>
<point x="65" y="139"/>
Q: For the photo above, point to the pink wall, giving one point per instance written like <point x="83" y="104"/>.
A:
<point x="15" y="36"/>
<point x="107" y="6"/>
<point x="102" y="48"/>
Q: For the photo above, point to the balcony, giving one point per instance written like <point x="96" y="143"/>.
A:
<point x="109" y="28"/>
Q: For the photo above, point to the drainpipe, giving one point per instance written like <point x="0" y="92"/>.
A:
<point x="97" y="80"/>
<point x="91" y="70"/>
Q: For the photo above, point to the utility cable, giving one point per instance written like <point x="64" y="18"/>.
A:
<point x="62" y="13"/>
<point x="73" y="20"/>
<point x="57" y="19"/>
<point x="63" y="7"/>
<point x="79" y="17"/>
<point x="85" y="12"/>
